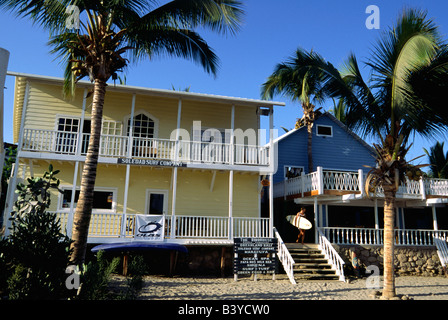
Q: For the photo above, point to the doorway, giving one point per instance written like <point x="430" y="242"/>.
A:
<point x="156" y="202"/>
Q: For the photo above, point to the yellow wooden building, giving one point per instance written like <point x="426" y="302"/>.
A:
<point x="196" y="159"/>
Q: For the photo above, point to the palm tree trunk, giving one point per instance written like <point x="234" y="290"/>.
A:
<point x="389" y="241"/>
<point x="310" y="150"/>
<point x="83" y="213"/>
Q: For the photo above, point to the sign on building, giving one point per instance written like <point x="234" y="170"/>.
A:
<point x="149" y="227"/>
<point x="255" y="256"/>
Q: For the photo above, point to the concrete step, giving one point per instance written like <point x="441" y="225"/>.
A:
<point x="310" y="263"/>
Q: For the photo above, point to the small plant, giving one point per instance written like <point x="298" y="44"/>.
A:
<point x="95" y="278"/>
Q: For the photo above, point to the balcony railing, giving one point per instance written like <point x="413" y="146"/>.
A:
<point x="340" y="182"/>
<point x="109" y="227"/>
<point x="50" y="141"/>
<point x="372" y="236"/>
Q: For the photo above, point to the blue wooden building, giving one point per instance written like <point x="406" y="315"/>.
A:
<point x="334" y="194"/>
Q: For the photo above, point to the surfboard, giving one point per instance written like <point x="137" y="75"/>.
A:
<point x="138" y="246"/>
<point x="299" y="222"/>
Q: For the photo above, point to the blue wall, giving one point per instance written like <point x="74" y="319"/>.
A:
<point x="339" y="152"/>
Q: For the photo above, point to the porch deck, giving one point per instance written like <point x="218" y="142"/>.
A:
<point x="339" y="183"/>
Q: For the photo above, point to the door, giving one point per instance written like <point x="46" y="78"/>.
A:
<point x="156" y="202"/>
<point x="67" y="134"/>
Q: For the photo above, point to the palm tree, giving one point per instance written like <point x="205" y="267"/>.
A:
<point x="339" y="110"/>
<point x="438" y="161"/>
<point x="404" y="97"/>
<point x="300" y="78"/>
<point x="109" y="30"/>
<point x="393" y="108"/>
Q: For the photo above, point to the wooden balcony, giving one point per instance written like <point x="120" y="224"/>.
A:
<point x="337" y="183"/>
<point x="65" y="144"/>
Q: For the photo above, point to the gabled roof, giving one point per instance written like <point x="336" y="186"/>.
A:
<point x="336" y="121"/>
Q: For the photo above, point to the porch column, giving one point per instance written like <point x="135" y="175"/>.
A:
<point x="125" y="201"/>
<point x="316" y="219"/>
<point x="128" y="170"/>
<point x="75" y="173"/>
<point x="81" y="124"/>
<point x="174" y="181"/>
<point x="271" y="206"/>
<point x="231" y="205"/>
<point x="377" y="225"/>
<point x="232" y="136"/>
<point x="434" y="217"/>
<point x="72" y="201"/>
<point x="271" y="167"/>
<point x="173" y="205"/>
<point x="10" y="197"/>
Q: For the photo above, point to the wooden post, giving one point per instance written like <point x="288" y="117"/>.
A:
<point x="125" y="263"/>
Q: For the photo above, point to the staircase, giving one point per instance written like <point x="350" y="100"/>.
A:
<point x="310" y="263"/>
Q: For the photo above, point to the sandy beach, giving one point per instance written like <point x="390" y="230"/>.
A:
<point x="215" y="288"/>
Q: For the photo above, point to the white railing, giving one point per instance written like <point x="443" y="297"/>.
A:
<point x="341" y="181"/>
<point x="436" y="187"/>
<point x="442" y="248"/>
<point x="353" y="182"/>
<point x="331" y="255"/>
<point x="109" y="225"/>
<point x="372" y="236"/>
<point x="285" y="257"/>
<point x="251" y="227"/>
<point x="146" y="148"/>
<point x="201" y="227"/>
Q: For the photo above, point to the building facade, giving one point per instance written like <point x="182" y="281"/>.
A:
<point x="335" y="196"/>
<point x="194" y="159"/>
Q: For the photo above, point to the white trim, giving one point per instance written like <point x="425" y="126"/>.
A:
<point x="165" y="192"/>
<point x="324" y="126"/>
<point x="100" y="189"/>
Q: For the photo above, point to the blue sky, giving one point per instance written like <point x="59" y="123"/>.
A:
<point x="272" y="31"/>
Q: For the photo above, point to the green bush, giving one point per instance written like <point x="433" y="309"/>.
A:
<point x="36" y="254"/>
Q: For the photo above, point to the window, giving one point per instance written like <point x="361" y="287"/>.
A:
<point x="67" y="134"/>
<point x="143" y="126"/>
<point x="104" y="199"/>
<point x="324" y="131"/>
<point x="292" y="172"/>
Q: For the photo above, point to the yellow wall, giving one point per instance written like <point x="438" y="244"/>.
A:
<point x="194" y="196"/>
<point x="46" y="103"/>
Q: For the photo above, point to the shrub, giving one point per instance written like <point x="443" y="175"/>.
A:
<point x="36" y="253"/>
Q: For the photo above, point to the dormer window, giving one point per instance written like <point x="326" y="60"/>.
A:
<point x="324" y="131"/>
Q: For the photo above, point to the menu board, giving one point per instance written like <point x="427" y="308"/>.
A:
<point x="255" y="255"/>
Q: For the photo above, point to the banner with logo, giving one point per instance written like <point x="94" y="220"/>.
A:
<point x="149" y="227"/>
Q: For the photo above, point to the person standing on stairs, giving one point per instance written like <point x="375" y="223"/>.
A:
<point x="301" y="213"/>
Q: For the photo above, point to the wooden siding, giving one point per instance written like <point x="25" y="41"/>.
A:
<point x="46" y="103"/>
<point x="342" y="151"/>
<point x="195" y="197"/>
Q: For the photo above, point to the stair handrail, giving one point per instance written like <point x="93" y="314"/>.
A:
<point x="442" y="248"/>
<point x="285" y="257"/>
<point x="331" y="255"/>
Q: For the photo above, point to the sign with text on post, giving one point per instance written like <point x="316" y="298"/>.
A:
<point x="255" y="256"/>
<point x="149" y="227"/>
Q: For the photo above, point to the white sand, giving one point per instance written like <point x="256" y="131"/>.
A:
<point x="215" y="288"/>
